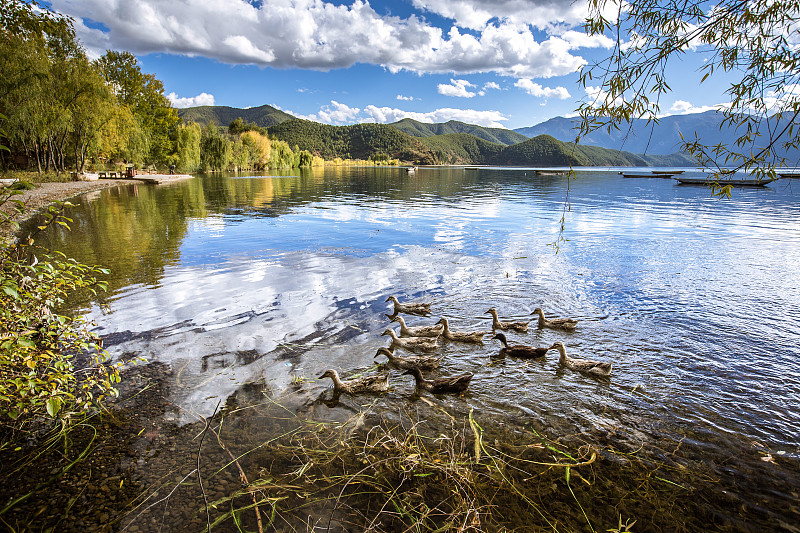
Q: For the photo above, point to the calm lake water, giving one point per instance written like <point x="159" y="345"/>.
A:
<point x="261" y="279"/>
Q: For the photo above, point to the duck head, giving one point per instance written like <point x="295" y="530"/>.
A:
<point x="538" y="311"/>
<point x="413" y="371"/>
<point x="391" y="299"/>
<point x="389" y="332"/>
<point x="502" y="338"/>
<point x="492" y="311"/>
<point x="384" y="351"/>
<point x="330" y="373"/>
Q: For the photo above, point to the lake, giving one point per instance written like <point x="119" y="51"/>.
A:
<point x="248" y="287"/>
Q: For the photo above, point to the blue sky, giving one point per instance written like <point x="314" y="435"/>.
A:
<point x="501" y="63"/>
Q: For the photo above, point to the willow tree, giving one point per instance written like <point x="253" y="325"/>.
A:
<point x="751" y="45"/>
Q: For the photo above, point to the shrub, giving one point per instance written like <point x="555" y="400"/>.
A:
<point x="39" y="347"/>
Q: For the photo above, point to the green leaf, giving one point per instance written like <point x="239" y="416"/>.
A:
<point x="11" y="291"/>
<point x="53" y="405"/>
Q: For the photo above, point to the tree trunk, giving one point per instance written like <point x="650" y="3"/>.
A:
<point x="38" y="159"/>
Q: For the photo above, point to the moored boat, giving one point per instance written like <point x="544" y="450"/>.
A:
<point x="724" y="182"/>
<point x="643" y="175"/>
<point x="551" y="172"/>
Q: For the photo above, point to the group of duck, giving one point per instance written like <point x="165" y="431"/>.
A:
<point x="421" y="339"/>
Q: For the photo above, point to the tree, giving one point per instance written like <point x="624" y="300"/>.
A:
<point x="259" y="147"/>
<point x="144" y="94"/>
<point x="754" y="44"/>
<point x="187" y="146"/>
<point x="215" y="150"/>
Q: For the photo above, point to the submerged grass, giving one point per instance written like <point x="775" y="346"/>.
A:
<point x="408" y="476"/>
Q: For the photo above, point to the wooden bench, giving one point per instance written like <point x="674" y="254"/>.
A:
<point x="112" y="174"/>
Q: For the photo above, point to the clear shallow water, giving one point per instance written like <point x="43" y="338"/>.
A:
<point x="259" y="279"/>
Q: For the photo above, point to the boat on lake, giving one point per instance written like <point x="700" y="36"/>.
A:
<point x="551" y="172"/>
<point x="789" y="175"/>
<point x="661" y="174"/>
<point x="723" y="182"/>
<point x="668" y="172"/>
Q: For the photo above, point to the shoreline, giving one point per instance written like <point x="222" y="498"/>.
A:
<point x="46" y="194"/>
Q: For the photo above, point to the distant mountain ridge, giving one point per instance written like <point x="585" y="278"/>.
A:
<point x="264" y="116"/>
<point x="451" y="142"/>
<point x="363" y="141"/>
<point x="640" y="137"/>
<point x="425" y="129"/>
<point x="657" y="139"/>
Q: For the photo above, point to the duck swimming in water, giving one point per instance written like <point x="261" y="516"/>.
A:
<point x="520" y="350"/>
<point x="409" y="308"/>
<point x="426" y="362"/>
<point x="568" y="324"/>
<point x="379" y="383"/>
<point x="595" y="368"/>
<point x="417" y="331"/>
<point x="440" y="385"/>
<point x="474" y="337"/>
<point x="413" y="344"/>
<point x="522" y="327"/>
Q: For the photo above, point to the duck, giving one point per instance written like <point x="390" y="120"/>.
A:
<point x="554" y="323"/>
<point x="414" y="344"/>
<point x="520" y="350"/>
<point x="378" y="383"/>
<point x="522" y="327"/>
<point x="409" y="308"/>
<point x="461" y="336"/>
<point x="417" y="331"/>
<point x="440" y="385"/>
<point x="596" y="368"/>
<point x="426" y="362"/>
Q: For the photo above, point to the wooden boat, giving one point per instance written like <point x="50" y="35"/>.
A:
<point x="668" y="172"/>
<point x="640" y="175"/>
<point x="723" y="182"/>
<point x="789" y="175"/>
<point x="471" y="168"/>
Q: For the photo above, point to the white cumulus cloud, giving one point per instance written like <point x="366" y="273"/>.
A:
<point x="385" y="115"/>
<point x="476" y="14"/>
<point x="682" y="107"/>
<point x="338" y="114"/>
<point x="534" y="89"/>
<point x="317" y="34"/>
<point x="406" y="98"/>
<point x="190" y="101"/>
<point x="457" y="88"/>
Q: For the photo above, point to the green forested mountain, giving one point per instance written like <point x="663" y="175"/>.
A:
<point x="264" y="116"/>
<point x="360" y="141"/>
<point x="495" y="135"/>
<point x="364" y="141"/>
<point x="462" y="149"/>
<point x="546" y="150"/>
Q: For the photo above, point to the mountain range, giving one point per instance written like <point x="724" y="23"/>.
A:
<point x="456" y="142"/>
<point x="640" y="136"/>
